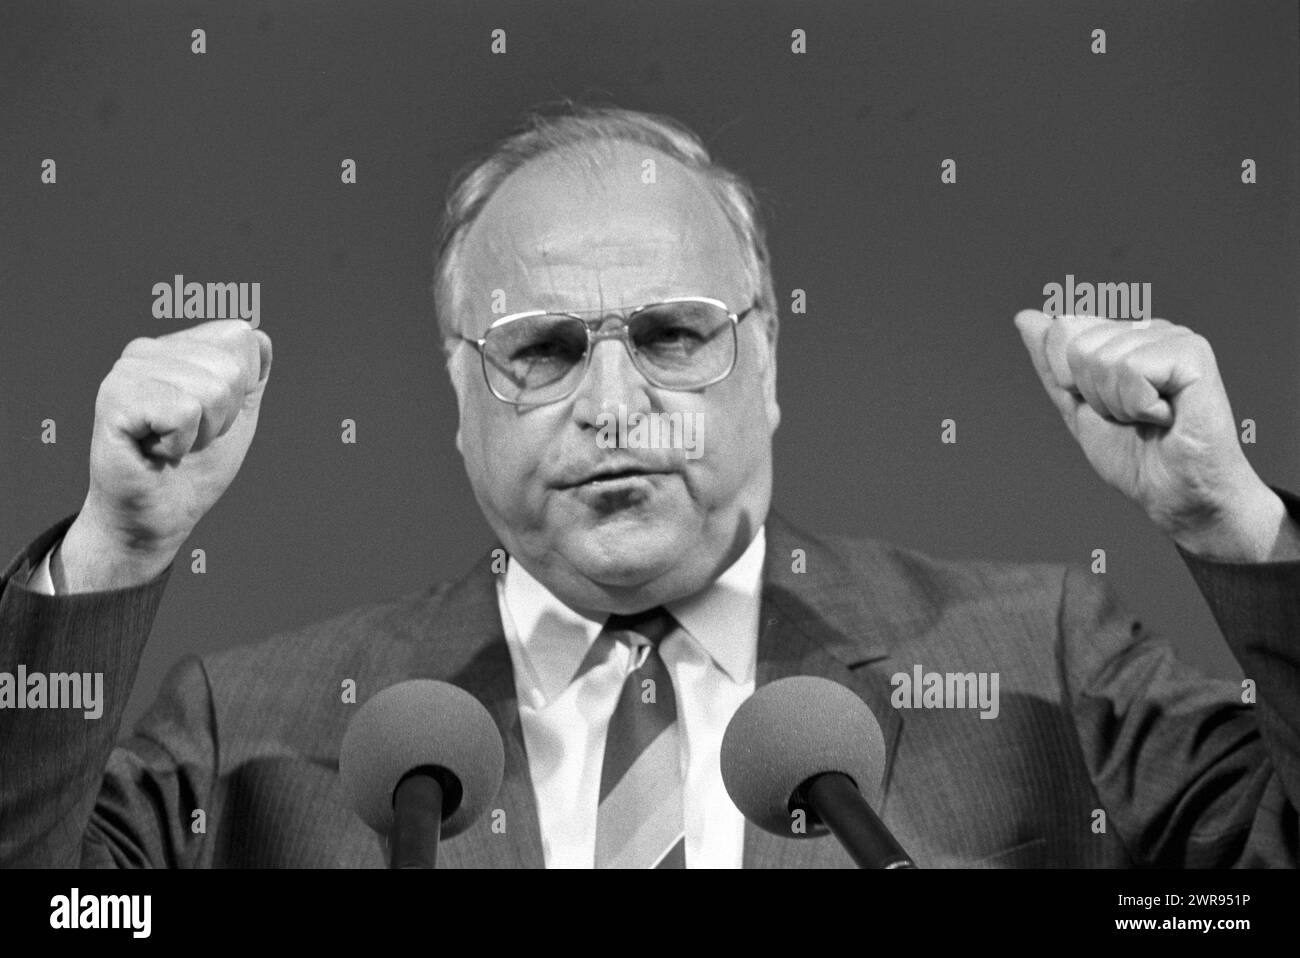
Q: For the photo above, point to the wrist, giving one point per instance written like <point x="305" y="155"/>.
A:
<point x="1253" y="526"/>
<point x="91" y="560"/>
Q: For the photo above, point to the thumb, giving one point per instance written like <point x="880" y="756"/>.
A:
<point x="253" y="397"/>
<point x="264" y="354"/>
<point x="1033" y="326"/>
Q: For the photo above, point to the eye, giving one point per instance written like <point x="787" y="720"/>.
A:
<point x="541" y="341"/>
<point x="544" y="350"/>
<point x="671" y="334"/>
<point x="681" y="328"/>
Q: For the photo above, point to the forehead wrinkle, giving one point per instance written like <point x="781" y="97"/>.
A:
<point x="599" y="253"/>
<point x="518" y="249"/>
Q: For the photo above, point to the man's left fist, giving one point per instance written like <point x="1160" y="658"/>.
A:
<point x="1146" y="403"/>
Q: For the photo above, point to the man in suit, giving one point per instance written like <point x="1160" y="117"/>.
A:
<point x="634" y="566"/>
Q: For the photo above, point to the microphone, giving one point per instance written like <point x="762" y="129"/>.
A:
<point x="420" y="760"/>
<point x="807" y="743"/>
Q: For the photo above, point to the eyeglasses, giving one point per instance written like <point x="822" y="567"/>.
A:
<point x="540" y="357"/>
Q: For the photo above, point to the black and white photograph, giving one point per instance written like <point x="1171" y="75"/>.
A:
<point x="650" y="434"/>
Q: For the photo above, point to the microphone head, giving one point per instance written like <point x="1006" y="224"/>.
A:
<point x="417" y="723"/>
<point x="789" y="731"/>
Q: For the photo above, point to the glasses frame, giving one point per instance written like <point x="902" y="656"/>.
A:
<point x="595" y="334"/>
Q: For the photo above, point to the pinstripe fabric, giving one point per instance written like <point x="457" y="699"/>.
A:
<point x="1094" y="714"/>
<point x="639" y="823"/>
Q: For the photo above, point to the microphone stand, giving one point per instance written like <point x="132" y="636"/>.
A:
<point x="835" y="800"/>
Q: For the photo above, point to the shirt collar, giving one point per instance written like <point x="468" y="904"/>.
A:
<point x="722" y="619"/>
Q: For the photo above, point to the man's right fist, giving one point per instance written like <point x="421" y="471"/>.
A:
<point x="173" y="422"/>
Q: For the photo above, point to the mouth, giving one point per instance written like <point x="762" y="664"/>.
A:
<point x="611" y="476"/>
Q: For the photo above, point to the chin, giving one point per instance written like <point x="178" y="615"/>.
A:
<point x="627" y="553"/>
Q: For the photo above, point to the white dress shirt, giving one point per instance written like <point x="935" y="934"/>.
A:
<point x="564" y="720"/>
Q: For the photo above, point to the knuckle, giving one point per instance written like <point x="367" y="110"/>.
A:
<point x="190" y="407"/>
<point x="122" y="368"/>
<point x="121" y="377"/>
<point x="230" y="334"/>
<point x="1078" y="357"/>
<point x="230" y="354"/>
<point x="1128" y="367"/>
<point x="223" y="367"/>
<point x="106" y="394"/>
<point x="213" y="392"/>
<point x="140" y="346"/>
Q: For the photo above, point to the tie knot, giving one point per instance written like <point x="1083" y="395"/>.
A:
<point x="650" y="626"/>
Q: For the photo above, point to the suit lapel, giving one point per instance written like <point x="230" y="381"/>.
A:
<point x="820" y="622"/>
<point x="491" y="680"/>
<point x="470" y="651"/>
<point x="799" y="636"/>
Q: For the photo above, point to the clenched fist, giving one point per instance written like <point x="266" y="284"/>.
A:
<point x="1147" y="406"/>
<point x="173" y="422"/>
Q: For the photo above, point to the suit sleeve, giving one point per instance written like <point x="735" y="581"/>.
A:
<point x="68" y="796"/>
<point x="1191" y="772"/>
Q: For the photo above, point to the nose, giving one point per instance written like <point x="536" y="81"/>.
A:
<point x="611" y="380"/>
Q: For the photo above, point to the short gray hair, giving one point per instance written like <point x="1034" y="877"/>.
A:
<point x="568" y="124"/>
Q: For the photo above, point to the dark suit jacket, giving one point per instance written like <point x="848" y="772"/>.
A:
<point x="1094" y="717"/>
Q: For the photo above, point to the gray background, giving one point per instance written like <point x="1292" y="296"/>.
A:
<point x="225" y="167"/>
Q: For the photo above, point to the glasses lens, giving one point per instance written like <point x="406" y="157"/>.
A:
<point x="684" y="344"/>
<point x="527" y="360"/>
<point x="537" y="359"/>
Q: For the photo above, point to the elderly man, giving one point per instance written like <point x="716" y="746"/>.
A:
<point x="598" y="264"/>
